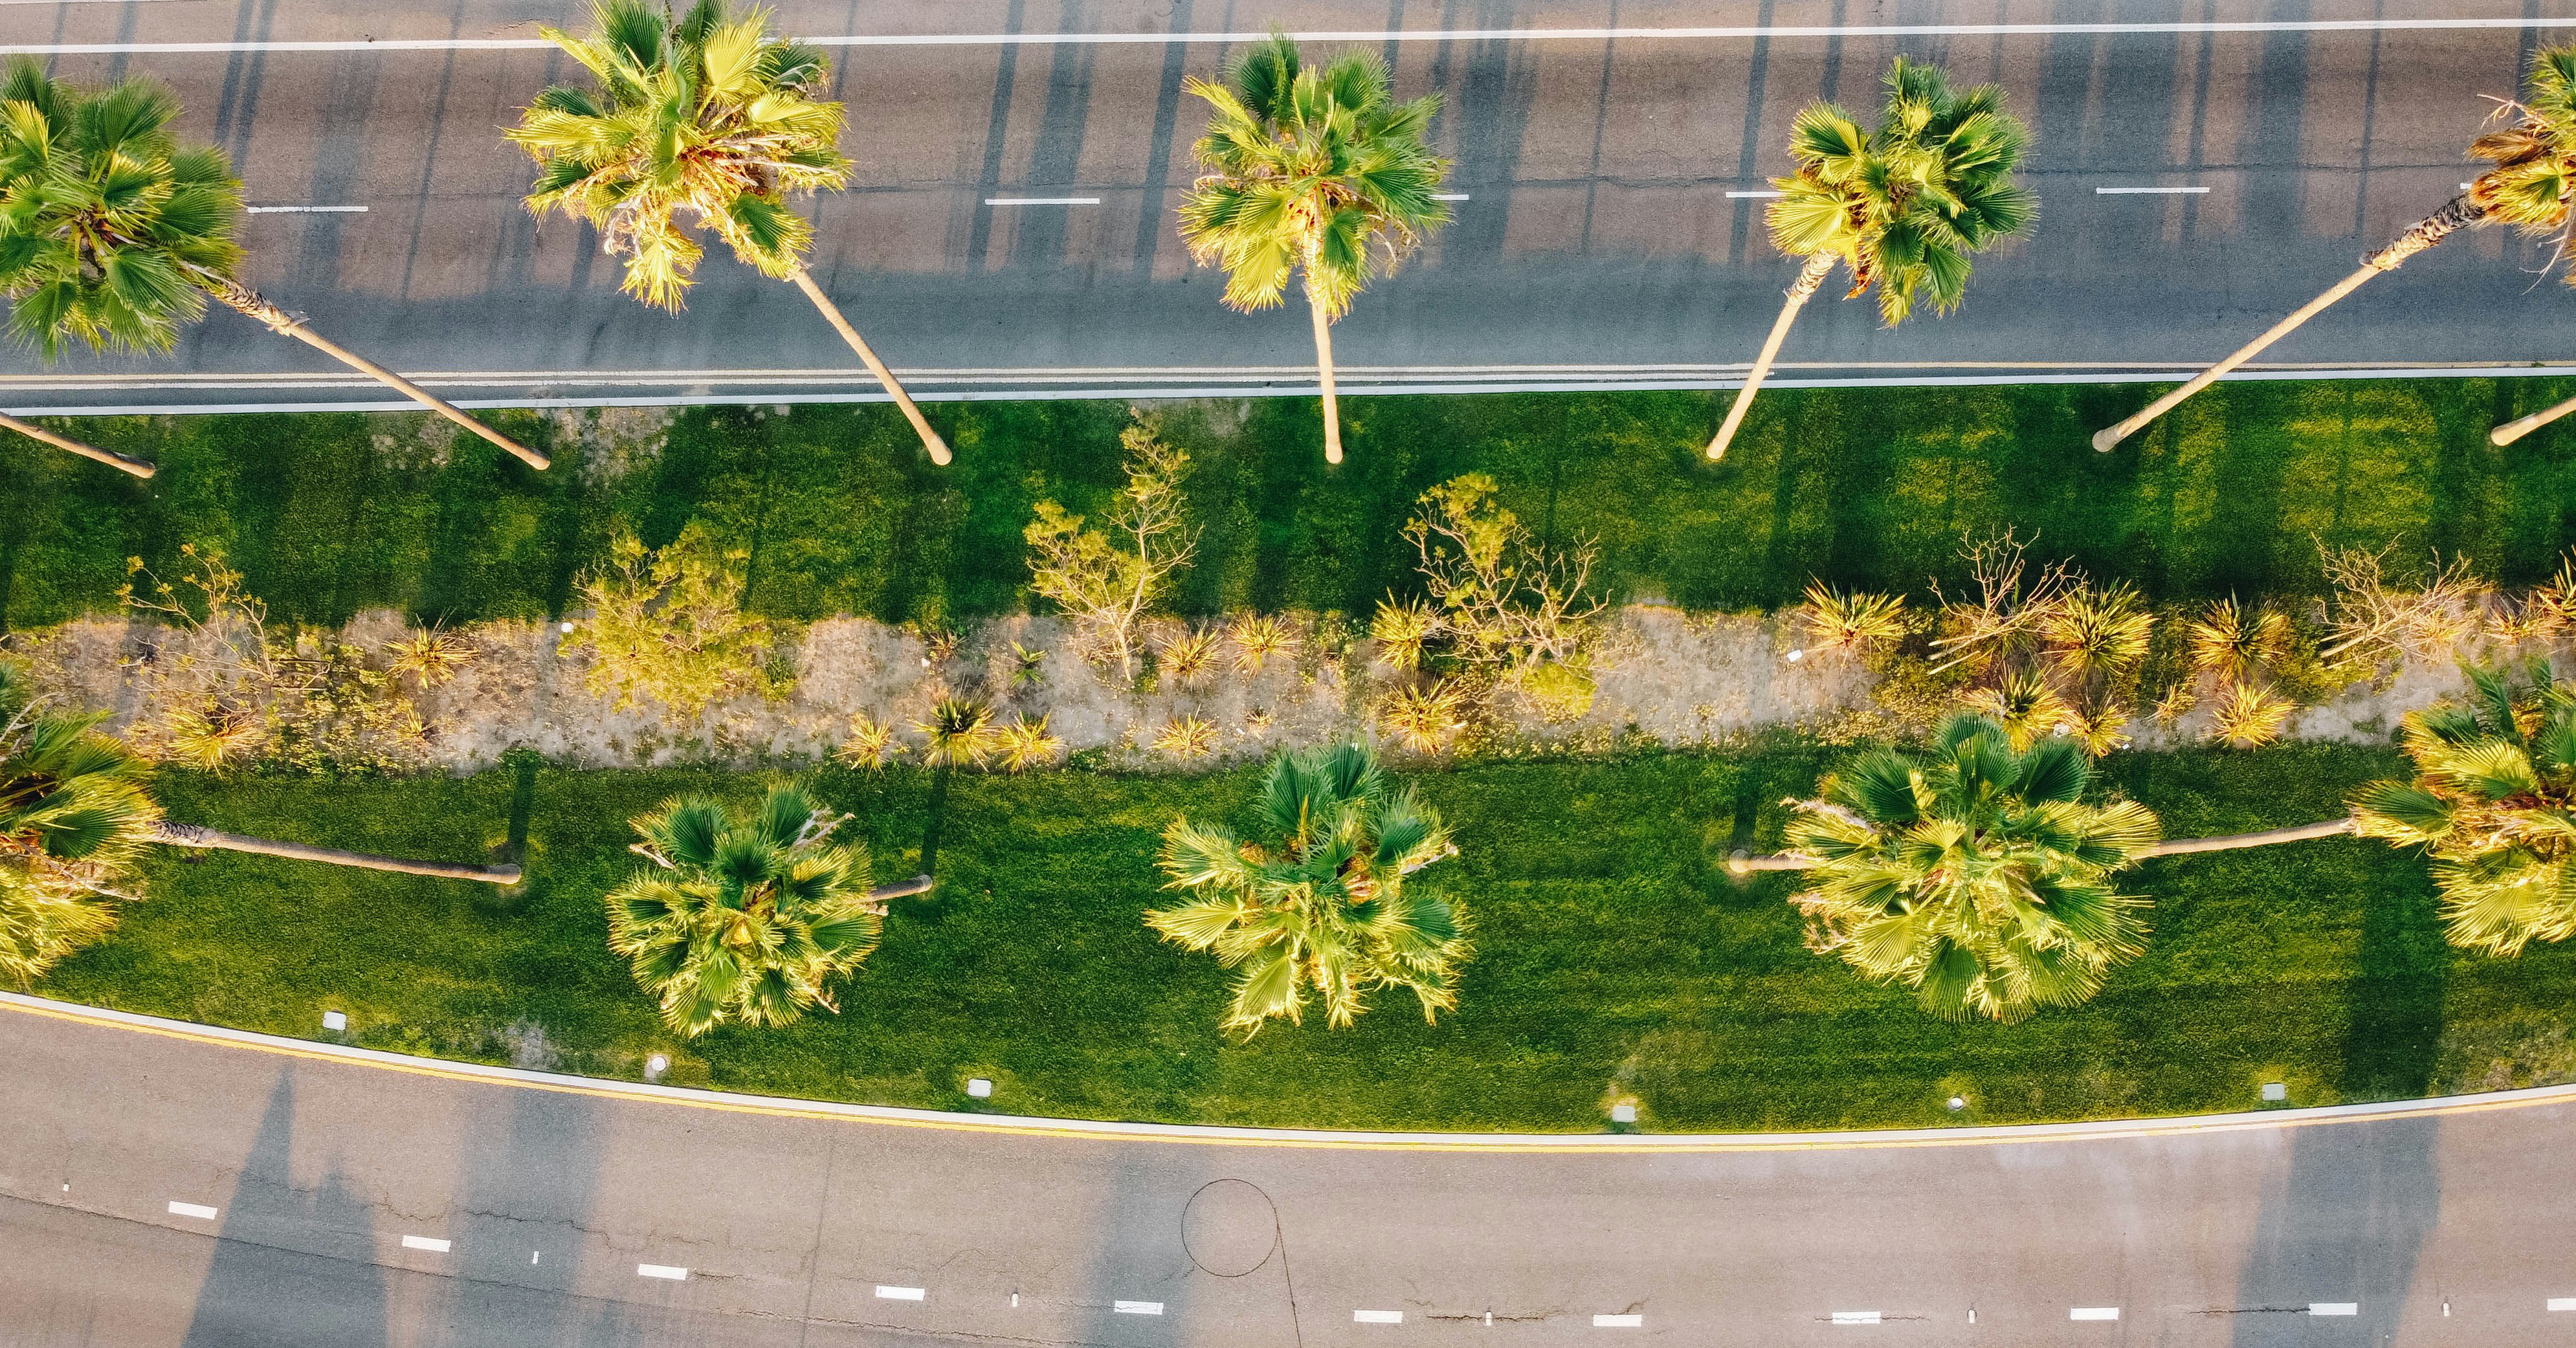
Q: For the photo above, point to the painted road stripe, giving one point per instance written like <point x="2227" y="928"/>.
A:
<point x="661" y="1271"/>
<point x="2094" y="1313"/>
<point x="1137" y="1307"/>
<point x="1377" y="1317"/>
<point x="1041" y="201"/>
<point x="2562" y="1303"/>
<point x="885" y="1293"/>
<point x="1618" y="1322"/>
<point x="1621" y="34"/>
<point x="179" y="1209"/>
<point x="317" y="210"/>
<point x="1856" y="1317"/>
<point x="2334" y="1308"/>
<point x="430" y="1243"/>
<point x="2146" y="191"/>
<point x="1448" y="196"/>
<point x="1766" y="193"/>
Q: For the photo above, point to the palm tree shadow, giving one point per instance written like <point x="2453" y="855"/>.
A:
<point x="2347" y="1224"/>
<point x="267" y="1287"/>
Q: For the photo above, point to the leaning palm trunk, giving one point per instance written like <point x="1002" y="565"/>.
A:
<point x="1810" y="276"/>
<point x="894" y="387"/>
<point x="2514" y="430"/>
<point x="2229" y="842"/>
<point x="112" y="459"/>
<point x="252" y="306"/>
<point x="2432" y="229"/>
<point x="191" y="835"/>
<point x="1324" y="368"/>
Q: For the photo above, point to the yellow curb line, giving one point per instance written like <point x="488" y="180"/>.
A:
<point x="2000" y="1135"/>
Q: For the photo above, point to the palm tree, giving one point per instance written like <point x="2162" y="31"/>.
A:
<point x="704" y="114"/>
<point x="2526" y="187"/>
<point x="1327" y="900"/>
<point x="76" y="811"/>
<point x="1315" y="172"/>
<point x="114" y="233"/>
<point x="1905" y="205"/>
<point x="2494" y="802"/>
<point x="746" y="920"/>
<point x="1975" y="874"/>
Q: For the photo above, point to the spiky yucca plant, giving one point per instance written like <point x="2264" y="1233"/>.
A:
<point x="1975" y="874"/>
<point x="1851" y="620"/>
<point x="2494" y="802"/>
<point x="745" y="920"/>
<point x="1258" y="640"/>
<point x="1025" y="744"/>
<point x="1330" y="899"/>
<point x="958" y="730"/>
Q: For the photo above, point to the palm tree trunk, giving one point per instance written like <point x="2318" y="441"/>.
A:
<point x="191" y="835"/>
<point x="2229" y="842"/>
<point x="894" y="387"/>
<point x="2514" y="430"/>
<point x="259" y="310"/>
<point x="903" y="889"/>
<point x="1324" y="369"/>
<point x="1810" y="276"/>
<point x="112" y="459"/>
<point x="2432" y="229"/>
<point x="2326" y="828"/>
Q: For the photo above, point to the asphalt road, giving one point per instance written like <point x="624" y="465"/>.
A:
<point x="1598" y="242"/>
<point x="320" y="1194"/>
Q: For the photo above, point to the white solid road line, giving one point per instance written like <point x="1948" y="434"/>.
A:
<point x="1448" y="196"/>
<point x="430" y="1243"/>
<point x="885" y="1293"/>
<point x="1856" y="1317"/>
<point x="199" y="1210"/>
<point x="1377" y="1317"/>
<point x="1618" y="1322"/>
<point x="1674" y="34"/>
<point x="1041" y="201"/>
<point x="2562" y="1303"/>
<point x="2094" y="1313"/>
<point x="1765" y="193"/>
<point x="2150" y="191"/>
<point x="1137" y="1307"/>
<point x="2334" y="1308"/>
<point x="668" y="1271"/>
<point x="313" y="210"/>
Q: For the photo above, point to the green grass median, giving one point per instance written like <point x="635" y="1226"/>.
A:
<point x="1616" y="959"/>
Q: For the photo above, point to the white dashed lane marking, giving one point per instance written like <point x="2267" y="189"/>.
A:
<point x="2094" y="1313"/>
<point x="668" y="1271"/>
<point x="885" y="1293"/>
<point x="1378" y="1317"/>
<point x="1618" y="1322"/>
<point x="199" y="1210"/>
<point x="430" y="1243"/>
<point x="1137" y="1307"/>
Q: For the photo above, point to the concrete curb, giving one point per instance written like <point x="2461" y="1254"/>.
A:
<point x="1208" y="1135"/>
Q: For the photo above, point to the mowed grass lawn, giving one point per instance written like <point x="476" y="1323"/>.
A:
<point x="842" y="514"/>
<point x="1615" y="956"/>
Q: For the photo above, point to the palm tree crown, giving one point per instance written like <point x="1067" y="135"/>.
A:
<point x="2494" y="802"/>
<point x="74" y="814"/>
<point x="1907" y="204"/>
<point x="1975" y="874"/>
<point x="107" y="224"/>
<point x="1331" y="899"/>
<point x="746" y="919"/>
<point x="705" y="115"/>
<point x="1309" y="169"/>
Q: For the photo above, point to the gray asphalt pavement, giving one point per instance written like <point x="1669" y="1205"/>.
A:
<point x="155" y="1191"/>
<point x="1598" y="242"/>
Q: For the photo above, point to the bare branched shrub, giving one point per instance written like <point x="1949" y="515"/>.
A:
<point x="667" y="624"/>
<point x="2011" y="599"/>
<point x="2374" y="622"/>
<point x="1516" y="611"/>
<point x="1853" y="621"/>
<point x="1107" y="579"/>
<point x="225" y="688"/>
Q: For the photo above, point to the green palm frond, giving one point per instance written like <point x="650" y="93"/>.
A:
<point x="1309" y="171"/>
<point x="744" y="920"/>
<point x="1906" y="205"/>
<point x="1332" y="902"/>
<point x="108" y="225"/>
<point x="74" y="815"/>
<point x="1974" y="874"/>
<point x="704" y="122"/>
<point x="2494" y="804"/>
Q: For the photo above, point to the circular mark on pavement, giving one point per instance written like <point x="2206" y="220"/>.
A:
<point x="1229" y="1228"/>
